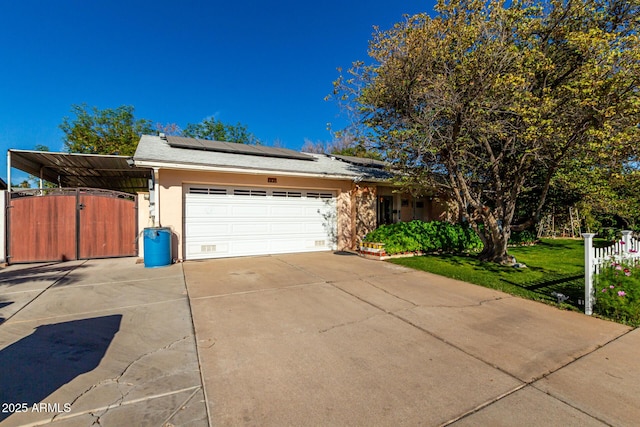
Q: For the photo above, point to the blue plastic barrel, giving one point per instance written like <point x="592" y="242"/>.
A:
<point x="157" y="247"/>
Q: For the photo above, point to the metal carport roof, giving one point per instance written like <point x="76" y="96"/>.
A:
<point x="109" y="172"/>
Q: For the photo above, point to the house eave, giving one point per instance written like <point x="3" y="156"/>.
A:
<point x="250" y="171"/>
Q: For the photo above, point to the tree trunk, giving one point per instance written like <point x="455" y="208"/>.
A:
<point x="495" y="239"/>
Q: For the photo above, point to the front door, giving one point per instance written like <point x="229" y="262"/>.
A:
<point x="385" y="210"/>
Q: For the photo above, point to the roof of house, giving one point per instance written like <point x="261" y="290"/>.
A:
<point x="362" y="161"/>
<point x="190" y="153"/>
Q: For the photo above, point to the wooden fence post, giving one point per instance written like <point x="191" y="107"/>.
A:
<point x="588" y="273"/>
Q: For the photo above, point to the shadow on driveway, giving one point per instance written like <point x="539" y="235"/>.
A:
<point x="2" y="305"/>
<point x="53" y="355"/>
<point x="20" y="273"/>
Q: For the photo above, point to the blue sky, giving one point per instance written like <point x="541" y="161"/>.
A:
<point x="267" y="65"/>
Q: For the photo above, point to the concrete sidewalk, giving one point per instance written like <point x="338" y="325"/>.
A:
<point x="100" y="342"/>
<point x="324" y="339"/>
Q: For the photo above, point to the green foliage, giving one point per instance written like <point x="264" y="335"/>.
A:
<point x="605" y="194"/>
<point x="524" y="237"/>
<point x="433" y="236"/>
<point x="108" y="131"/>
<point x="617" y="293"/>
<point x="499" y="97"/>
<point x="216" y="130"/>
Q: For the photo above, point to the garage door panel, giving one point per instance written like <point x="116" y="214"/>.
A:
<point x="207" y="250"/>
<point x="248" y="228"/>
<point x="250" y="247"/>
<point x="203" y="211"/>
<point x="288" y="211"/>
<point x="273" y="221"/>
<point x="249" y="211"/>
<point x="315" y="229"/>
<point x="203" y="228"/>
<point x="288" y="228"/>
<point x="285" y="246"/>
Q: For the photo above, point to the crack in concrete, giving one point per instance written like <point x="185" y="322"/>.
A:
<point x="212" y="344"/>
<point x="118" y="402"/>
<point x="321" y="331"/>
<point x="478" y="304"/>
<point x="380" y="288"/>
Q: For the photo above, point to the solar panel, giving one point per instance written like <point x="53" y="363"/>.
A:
<point x="235" y="148"/>
<point x="361" y="161"/>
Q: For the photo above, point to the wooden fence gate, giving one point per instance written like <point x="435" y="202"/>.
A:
<point x="68" y="224"/>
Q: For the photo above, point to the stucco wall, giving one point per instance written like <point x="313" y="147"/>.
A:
<point x="171" y="197"/>
<point x="143" y="220"/>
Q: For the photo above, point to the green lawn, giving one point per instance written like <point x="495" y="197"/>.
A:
<point x="553" y="266"/>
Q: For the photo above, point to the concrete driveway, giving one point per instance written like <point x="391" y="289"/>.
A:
<point x="305" y="339"/>
<point x="327" y="339"/>
<point x="100" y="342"/>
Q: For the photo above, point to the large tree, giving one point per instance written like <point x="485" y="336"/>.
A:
<point x="498" y="96"/>
<point x="216" y="130"/>
<point x="344" y="143"/>
<point x="108" y="131"/>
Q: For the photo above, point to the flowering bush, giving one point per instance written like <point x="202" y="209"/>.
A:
<point x="617" y="292"/>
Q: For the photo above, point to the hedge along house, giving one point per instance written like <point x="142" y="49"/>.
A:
<point x="224" y="199"/>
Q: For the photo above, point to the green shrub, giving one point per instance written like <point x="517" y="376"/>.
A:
<point x="617" y="293"/>
<point x="433" y="236"/>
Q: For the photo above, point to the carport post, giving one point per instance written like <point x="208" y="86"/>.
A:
<point x="9" y="170"/>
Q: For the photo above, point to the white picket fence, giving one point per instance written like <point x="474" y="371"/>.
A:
<point x="627" y="249"/>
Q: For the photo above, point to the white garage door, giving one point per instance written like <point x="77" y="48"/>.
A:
<point x="237" y="221"/>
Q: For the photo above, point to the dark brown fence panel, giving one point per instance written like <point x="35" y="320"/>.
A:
<point x="42" y="228"/>
<point x="107" y="226"/>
